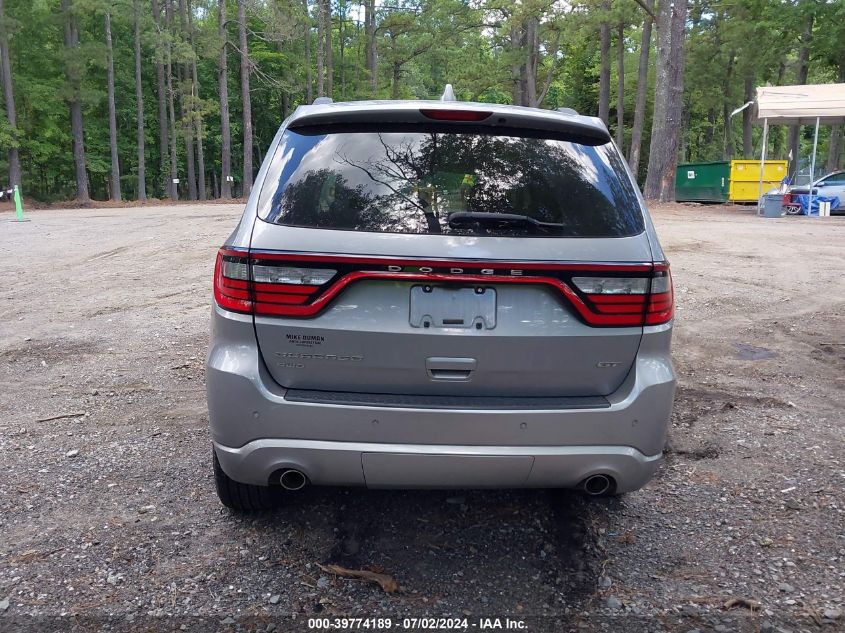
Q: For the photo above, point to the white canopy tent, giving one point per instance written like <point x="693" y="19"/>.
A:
<point x="799" y="105"/>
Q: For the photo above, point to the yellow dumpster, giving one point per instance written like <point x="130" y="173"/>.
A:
<point x="745" y="178"/>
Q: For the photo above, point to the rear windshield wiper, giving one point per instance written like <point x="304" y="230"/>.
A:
<point x="462" y="218"/>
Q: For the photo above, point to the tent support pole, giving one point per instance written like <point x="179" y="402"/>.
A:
<point x="813" y="169"/>
<point x="762" y="165"/>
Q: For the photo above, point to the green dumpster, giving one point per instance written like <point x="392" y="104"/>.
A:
<point x="703" y="182"/>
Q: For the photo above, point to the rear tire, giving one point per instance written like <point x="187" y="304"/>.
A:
<point x="243" y="497"/>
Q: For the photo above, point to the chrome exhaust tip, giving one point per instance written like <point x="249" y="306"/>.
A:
<point x="292" y="480"/>
<point x="596" y="485"/>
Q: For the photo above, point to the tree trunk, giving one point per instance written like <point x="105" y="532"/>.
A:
<point x="198" y="123"/>
<point x="516" y="66"/>
<point x="341" y="40"/>
<point x="552" y="53"/>
<point x="604" y="76"/>
<point x="358" y="65"/>
<point x="225" y="125"/>
<point x="367" y="50"/>
<point x="139" y="105"/>
<point x="668" y="102"/>
<point x="321" y="89"/>
<point x="309" y="80"/>
<point x="397" y="78"/>
<point x="9" y="95"/>
<point x="710" y="130"/>
<point x="186" y="126"/>
<point x="801" y="72"/>
<point x="327" y="32"/>
<point x="73" y="71"/>
<point x="620" y="88"/>
<point x="686" y="118"/>
<point x="834" y="152"/>
<point x="372" y="51"/>
<point x="163" y="140"/>
<point x="186" y="106"/>
<point x="245" y="97"/>
<point x="532" y="58"/>
<point x="200" y="131"/>
<point x="115" y="158"/>
<point x="174" y="166"/>
<point x="727" y="104"/>
<point x="747" y="139"/>
<point x="776" y="132"/>
<point x="642" y="93"/>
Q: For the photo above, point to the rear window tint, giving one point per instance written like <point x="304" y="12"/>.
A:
<point x="436" y="180"/>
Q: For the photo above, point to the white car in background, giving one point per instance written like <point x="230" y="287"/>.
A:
<point x="830" y="186"/>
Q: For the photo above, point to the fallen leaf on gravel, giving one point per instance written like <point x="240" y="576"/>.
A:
<point x="746" y="603"/>
<point x="387" y="583"/>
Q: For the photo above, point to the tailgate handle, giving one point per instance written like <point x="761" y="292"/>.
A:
<point x="445" y="368"/>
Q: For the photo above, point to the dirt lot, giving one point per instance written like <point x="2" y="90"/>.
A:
<point x="107" y="506"/>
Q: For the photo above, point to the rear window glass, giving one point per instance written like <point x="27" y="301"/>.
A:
<point x="430" y="180"/>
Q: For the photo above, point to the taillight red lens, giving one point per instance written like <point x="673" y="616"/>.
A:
<point x="630" y="300"/>
<point x="455" y="115"/>
<point x="245" y="284"/>
<point x="661" y="299"/>
<point x="231" y="281"/>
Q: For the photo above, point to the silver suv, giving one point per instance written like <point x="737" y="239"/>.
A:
<point x="439" y="294"/>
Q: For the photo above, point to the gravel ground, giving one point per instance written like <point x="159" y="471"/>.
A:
<point x="108" y="516"/>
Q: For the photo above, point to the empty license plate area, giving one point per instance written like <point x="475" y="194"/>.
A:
<point x="435" y="306"/>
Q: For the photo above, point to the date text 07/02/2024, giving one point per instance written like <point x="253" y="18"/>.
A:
<point x="416" y="624"/>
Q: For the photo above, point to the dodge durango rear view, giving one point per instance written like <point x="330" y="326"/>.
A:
<point x="440" y="294"/>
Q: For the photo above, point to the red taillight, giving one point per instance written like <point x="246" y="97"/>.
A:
<point x="455" y="115"/>
<point x="627" y="300"/>
<point x="294" y="285"/>
<point x="244" y="283"/>
<point x="231" y="281"/>
<point x="661" y="298"/>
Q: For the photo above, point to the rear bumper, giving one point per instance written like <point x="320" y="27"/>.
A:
<point x="427" y="466"/>
<point x="257" y="431"/>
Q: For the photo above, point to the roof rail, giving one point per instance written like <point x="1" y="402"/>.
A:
<point x="448" y="94"/>
<point x="322" y="101"/>
<point x="571" y="111"/>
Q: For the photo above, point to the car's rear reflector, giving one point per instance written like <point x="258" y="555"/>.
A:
<point x="302" y="285"/>
<point x="455" y="115"/>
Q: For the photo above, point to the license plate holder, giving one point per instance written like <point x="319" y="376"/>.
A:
<point x="443" y="307"/>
